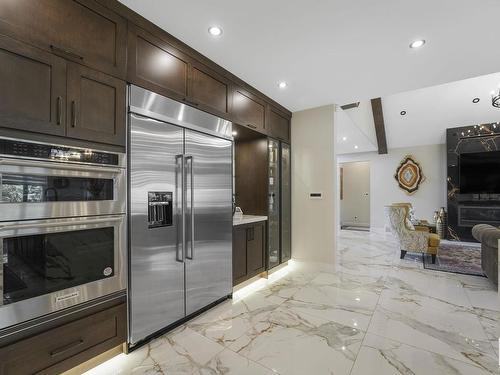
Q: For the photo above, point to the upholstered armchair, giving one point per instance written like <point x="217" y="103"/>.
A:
<point x="411" y="240"/>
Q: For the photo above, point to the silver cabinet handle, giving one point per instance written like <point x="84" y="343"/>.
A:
<point x="179" y="167"/>
<point x="190" y="160"/>
<point x="73" y="114"/>
<point x="59" y="110"/>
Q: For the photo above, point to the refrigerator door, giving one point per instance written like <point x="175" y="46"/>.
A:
<point x="274" y="204"/>
<point x="209" y="221"/>
<point x="156" y="293"/>
<point x="286" y="203"/>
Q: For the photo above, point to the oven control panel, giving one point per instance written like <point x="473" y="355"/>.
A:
<point x="56" y="153"/>
<point x="159" y="209"/>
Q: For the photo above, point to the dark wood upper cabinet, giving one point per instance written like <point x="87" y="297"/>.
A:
<point x="96" y="106"/>
<point x="278" y="124"/>
<point x="209" y="90"/>
<point x="156" y="65"/>
<point x="248" y="110"/>
<point x="33" y="88"/>
<point x="82" y="31"/>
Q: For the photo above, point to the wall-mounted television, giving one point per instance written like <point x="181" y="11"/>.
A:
<point x="480" y="172"/>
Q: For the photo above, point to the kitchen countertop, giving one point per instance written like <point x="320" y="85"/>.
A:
<point x="247" y="219"/>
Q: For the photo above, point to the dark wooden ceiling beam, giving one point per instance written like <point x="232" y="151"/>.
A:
<point x="378" y="119"/>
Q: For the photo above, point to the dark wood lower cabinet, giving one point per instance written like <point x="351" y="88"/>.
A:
<point x="64" y="347"/>
<point x="249" y="251"/>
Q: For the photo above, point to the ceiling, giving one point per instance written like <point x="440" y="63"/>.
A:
<point x="336" y="51"/>
<point x="429" y="112"/>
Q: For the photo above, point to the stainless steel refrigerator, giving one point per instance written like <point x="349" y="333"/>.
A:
<point x="180" y="212"/>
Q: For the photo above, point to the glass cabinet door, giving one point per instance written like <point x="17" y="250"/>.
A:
<point x="274" y="204"/>
<point x="286" y="202"/>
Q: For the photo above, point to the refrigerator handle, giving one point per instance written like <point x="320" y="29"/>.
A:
<point x="190" y="161"/>
<point x="179" y="167"/>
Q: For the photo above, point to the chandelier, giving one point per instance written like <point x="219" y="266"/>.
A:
<point x="495" y="98"/>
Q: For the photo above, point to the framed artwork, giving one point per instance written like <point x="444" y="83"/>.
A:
<point x="409" y="175"/>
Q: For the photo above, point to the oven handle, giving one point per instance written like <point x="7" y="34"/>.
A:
<point x="60" y="223"/>
<point x="56" y="165"/>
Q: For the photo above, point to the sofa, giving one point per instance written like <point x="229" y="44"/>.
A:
<point x="488" y="236"/>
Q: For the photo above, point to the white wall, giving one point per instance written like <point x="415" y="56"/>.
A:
<point x="384" y="188"/>
<point x="313" y="170"/>
<point x="355" y="205"/>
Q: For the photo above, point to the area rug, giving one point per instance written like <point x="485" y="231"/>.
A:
<point x="456" y="257"/>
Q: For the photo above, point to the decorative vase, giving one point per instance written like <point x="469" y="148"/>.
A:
<point x="435" y="217"/>
<point x="442" y="223"/>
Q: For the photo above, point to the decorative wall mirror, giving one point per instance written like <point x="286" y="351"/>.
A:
<point x="409" y="175"/>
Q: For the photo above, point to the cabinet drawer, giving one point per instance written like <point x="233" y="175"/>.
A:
<point x="248" y="110"/>
<point x="64" y="347"/>
<point x="82" y="31"/>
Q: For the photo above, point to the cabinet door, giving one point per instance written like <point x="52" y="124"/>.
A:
<point x="239" y="254"/>
<point x="274" y="234"/>
<point x="33" y="88"/>
<point x="209" y="90"/>
<point x="82" y="31"/>
<point x="156" y="65"/>
<point x="248" y="110"/>
<point x="255" y="249"/>
<point x="96" y="106"/>
<point x="286" y="204"/>
<point x="278" y="124"/>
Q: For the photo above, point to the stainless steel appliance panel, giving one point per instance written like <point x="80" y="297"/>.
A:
<point x="286" y="203"/>
<point x="150" y="104"/>
<point x="208" y="219"/>
<point x="35" y="176"/>
<point x="22" y="310"/>
<point x="156" y="294"/>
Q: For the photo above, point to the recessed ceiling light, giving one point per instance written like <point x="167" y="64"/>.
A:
<point x="344" y="139"/>
<point x="282" y="85"/>
<point x="356" y="147"/>
<point x="475" y="100"/>
<point x="417" y="43"/>
<point x="402" y="113"/>
<point x="215" y="31"/>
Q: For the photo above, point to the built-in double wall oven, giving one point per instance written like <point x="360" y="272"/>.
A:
<point x="62" y="227"/>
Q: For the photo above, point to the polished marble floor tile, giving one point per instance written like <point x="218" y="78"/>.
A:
<point x="369" y="313"/>
<point x="381" y="356"/>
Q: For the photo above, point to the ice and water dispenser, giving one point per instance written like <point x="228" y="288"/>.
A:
<point x="159" y="209"/>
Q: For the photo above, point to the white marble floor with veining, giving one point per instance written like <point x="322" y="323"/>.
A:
<point x="370" y="313"/>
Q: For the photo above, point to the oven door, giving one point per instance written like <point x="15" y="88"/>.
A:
<point x="48" y="265"/>
<point x="43" y="189"/>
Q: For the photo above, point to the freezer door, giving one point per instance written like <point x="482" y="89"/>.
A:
<point x="156" y="293"/>
<point x="209" y="221"/>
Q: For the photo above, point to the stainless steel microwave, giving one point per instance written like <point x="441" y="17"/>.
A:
<point x="40" y="181"/>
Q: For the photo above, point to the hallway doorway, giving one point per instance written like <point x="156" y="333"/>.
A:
<point x="355" y="196"/>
